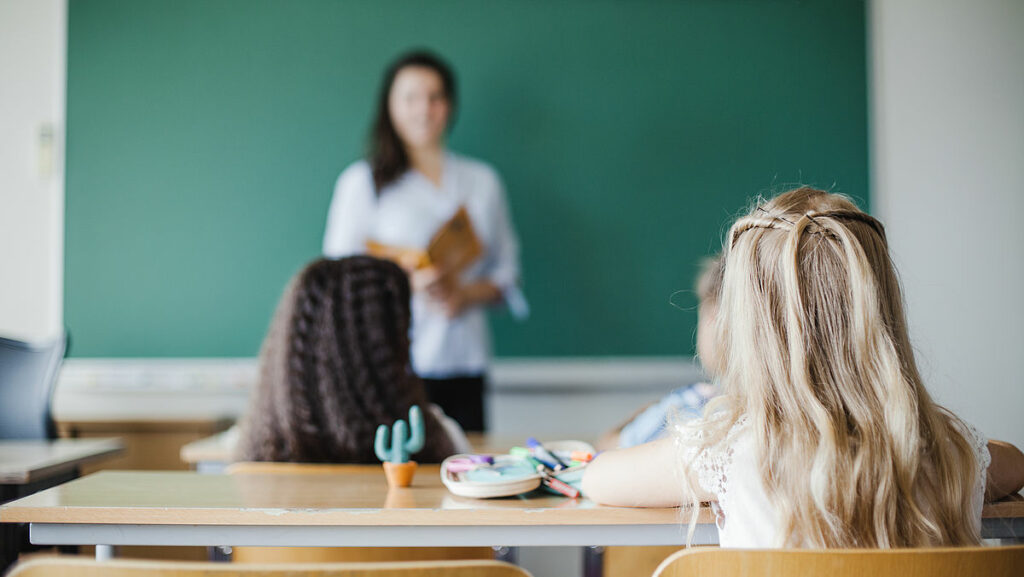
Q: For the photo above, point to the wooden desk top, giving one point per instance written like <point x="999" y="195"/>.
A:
<point x="143" y="424"/>
<point x="23" y="462"/>
<point x="355" y="495"/>
<point x="218" y="448"/>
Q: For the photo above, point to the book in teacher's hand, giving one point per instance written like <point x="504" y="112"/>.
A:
<point x="454" y="247"/>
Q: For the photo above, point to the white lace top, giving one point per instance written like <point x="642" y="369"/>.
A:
<point x="745" y="516"/>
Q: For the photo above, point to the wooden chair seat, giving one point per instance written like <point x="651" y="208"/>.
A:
<point x="937" y="562"/>
<point x="623" y="561"/>
<point x="81" y="567"/>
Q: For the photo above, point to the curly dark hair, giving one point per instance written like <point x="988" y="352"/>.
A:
<point x="335" y="365"/>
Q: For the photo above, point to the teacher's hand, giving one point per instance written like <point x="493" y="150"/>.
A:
<point x="430" y="280"/>
<point x="450" y="294"/>
<point x="464" y="296"/>
<point x="444" y="290"/>
<point x="454" y="302"/>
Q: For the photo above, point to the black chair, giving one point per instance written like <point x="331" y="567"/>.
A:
<point x="28" y="376"/>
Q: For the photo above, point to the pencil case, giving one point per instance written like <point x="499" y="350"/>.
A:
<point x="509" y="475"/>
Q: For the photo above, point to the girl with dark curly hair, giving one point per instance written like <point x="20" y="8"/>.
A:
<point x="335" y="365"/>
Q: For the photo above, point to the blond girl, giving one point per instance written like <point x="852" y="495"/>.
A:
<point x="825" y="435"/>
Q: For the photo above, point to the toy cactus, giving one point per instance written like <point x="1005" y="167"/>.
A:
<point x="406" y="439"/>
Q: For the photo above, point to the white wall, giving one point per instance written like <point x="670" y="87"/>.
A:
<point x="32" y="88"/>
<point x="948" y="180"/>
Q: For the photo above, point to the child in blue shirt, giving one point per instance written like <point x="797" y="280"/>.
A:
<point x="649" y="423"/>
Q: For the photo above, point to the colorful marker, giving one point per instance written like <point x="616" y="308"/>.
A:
<point x="520" y="452"/>
<point x="545" y="454"/>
<point x="582" y="456"/>
<point x="528" y="455"/>
<point x="564" y="488"/>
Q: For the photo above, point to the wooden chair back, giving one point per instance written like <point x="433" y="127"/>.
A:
<point x="938" y="562"/>
<point x="81" y="567"/>
<point x="337" y="554"/>
<point x="634" y="560"/>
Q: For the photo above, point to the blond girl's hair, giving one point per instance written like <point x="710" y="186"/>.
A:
<point x="852" y="450"/>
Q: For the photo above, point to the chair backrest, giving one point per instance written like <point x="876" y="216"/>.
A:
<point x="28" y="374"/>
<point x="80" y="567"/>
<point x="938" y="562"/>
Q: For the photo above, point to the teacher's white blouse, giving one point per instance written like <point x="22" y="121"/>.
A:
<point x="407" y="213"/>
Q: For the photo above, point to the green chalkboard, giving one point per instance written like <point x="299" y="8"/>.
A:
<point x="204" y="138"/>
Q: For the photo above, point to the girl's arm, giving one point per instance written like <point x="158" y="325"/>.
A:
<point x="1006" y="473"/>
<point x="643" y="476"/>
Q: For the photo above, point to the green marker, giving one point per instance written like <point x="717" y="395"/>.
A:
<point x="528" y="455"/>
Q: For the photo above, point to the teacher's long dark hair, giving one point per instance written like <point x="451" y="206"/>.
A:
<point x="386" y="154"/>
<point x="334" y="365"/>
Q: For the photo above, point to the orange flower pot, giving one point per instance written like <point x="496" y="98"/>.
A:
<point x="399" y="474"/>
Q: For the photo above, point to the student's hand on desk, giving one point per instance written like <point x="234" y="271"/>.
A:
<point x="643" y="476"/>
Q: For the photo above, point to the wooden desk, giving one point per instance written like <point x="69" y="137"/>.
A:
<point x="30" y="466"/>
<point x="26" y="462"/>
<point x="150" y="443"/>
<point x="351" y="508"/>
<point x="212" y="454"/>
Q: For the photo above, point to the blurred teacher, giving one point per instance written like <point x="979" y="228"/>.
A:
<point x="407" y="188"/>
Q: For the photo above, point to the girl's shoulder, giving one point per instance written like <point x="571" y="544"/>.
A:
<point x="357" y="174"/>
<point x="713" y="431"/>
<point x="709" y="446"/>
<point x="978" y="442"/>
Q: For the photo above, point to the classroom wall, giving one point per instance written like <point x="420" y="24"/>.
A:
<point x="204" y="140"/>
<point x="32" y="81"/>
<point x="948" y="179"/>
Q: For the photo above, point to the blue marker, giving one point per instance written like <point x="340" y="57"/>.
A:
<point x="545" y="454"/>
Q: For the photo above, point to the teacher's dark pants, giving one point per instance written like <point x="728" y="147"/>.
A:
<point x="461" y="398"/>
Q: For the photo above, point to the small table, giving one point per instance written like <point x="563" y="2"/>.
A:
<point x="27" y="466"/>
<point x="354" y="508"/>
<point x="210" y="454"/>
<point x="30" y="466"/>
<point x="350" y="508"/>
